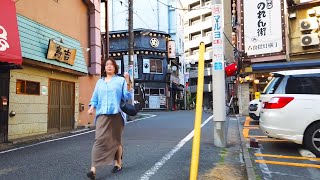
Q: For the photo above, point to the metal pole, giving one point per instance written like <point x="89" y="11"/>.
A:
<point x="197" y="123"/>
<point x="185" y="90"/>
<point x="107" y="30"/>
<point x="218" y="75"/>
<point x="131" y="44"/>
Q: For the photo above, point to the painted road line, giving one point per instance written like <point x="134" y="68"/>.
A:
<point x="67" y="137"/>
<point x="251" y="127"/>
<point x="247" y="122"/>
<point x="245" y="133"/>
<point x="263" y="166"/>
<point x="287" y="157"/>
<point x="289" y="164"/>
<point x="271" y="140"/>
<point x="153" y="170"/>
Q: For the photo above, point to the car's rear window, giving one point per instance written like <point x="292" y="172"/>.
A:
<point x="303" y="84"/>
<point x="272" y="85"/>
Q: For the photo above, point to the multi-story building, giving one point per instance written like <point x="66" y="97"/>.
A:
<point x="158" y="20"/>
<point x="198" y="28"/>
<point x="283" y="37"/>
<point x="45" y="94"/>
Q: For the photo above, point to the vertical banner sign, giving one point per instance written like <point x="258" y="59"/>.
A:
<point x="125" y="63"/>
<point x="262" y="26"/>
<point x="119" y="66"/>
<point x="217" y="35"/>
<point x="136" y="69"/>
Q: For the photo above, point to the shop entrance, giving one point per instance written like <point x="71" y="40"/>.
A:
<point x="61" y="106"/>
<point x="4" y="95"/>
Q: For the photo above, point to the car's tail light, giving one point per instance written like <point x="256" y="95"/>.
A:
<point x="277" y="102"/>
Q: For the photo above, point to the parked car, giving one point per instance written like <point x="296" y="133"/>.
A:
<point x="290" y="108"/>
<point x="254" y="109"/>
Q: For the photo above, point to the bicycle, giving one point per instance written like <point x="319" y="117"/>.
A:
<point x="230" y="107"/>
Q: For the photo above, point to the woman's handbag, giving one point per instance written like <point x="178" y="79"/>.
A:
<point x="127" y="108"/>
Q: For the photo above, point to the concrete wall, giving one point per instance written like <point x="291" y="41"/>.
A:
<point x="244" y="96"/>
<point x="32" y="110"/>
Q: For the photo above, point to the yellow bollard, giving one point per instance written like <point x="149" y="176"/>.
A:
<point x="198" y="119"/>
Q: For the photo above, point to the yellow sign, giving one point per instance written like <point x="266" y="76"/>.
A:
<point x="60" y="53"/>
<point x="257" y="95"/>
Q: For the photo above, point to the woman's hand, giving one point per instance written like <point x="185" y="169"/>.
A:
<point x="127" y="77"/>
<point x="90" y="111"/>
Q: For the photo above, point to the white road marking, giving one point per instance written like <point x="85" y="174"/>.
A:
<point x="264" y="167"/>
<point x="165" y="158"/>
<point x="314" y="172"/>
<point x="67" y="137"/>
<point x="139" y="119"/>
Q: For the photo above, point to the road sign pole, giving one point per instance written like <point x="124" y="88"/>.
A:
<point x="218" y="75"/>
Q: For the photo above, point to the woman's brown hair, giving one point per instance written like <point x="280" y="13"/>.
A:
<point x="116" y="69"/>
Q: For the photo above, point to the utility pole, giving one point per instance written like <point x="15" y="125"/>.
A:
<point x="131" y="45"/>
<point x="218" y="75"/>
<point x="106" y="30"/>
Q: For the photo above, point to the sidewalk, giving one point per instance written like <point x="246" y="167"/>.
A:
<point x="234" y="159"/>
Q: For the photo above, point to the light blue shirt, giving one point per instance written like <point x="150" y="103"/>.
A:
<point x="106" y="96"/>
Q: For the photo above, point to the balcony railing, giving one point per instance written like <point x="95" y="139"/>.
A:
<point x="198" y="26"/>
<point x="196" y="42"/>
<point x="194" y="73"/>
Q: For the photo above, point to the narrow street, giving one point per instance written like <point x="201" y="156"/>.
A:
<point x="154" y="148"/>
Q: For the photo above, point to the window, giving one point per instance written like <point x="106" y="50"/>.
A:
<point x="303" y="84"/>
<point x="147" y="91"/>
<point x="136" y="90"/>
<point x="273" y="85"/>
<point x="27" y="87"/>
<point x="162" y="91"/>
<point x="156" y="66"/>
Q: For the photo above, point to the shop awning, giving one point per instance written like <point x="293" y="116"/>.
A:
<point x="286" y="65"/>
<point x="10" y="49"/>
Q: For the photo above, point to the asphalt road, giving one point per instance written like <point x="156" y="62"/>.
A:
<point x="281" y="160"/>
<point x="154" y="148"/>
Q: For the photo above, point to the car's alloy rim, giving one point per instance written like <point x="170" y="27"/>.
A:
<point x="316" y="139"/>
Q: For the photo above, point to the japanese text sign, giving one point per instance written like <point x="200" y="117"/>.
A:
<point x="60" y="53"/>
<point x="262" y="26"/>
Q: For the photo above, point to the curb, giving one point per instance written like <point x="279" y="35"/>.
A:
<point x="249" y="167"/>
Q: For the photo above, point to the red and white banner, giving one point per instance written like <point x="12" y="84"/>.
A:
<point x="10" y="49"/>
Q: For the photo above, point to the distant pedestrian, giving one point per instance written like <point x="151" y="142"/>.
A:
<point x="106" y="99"/>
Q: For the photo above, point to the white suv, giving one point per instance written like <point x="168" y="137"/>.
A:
<point x="291" y="108"/>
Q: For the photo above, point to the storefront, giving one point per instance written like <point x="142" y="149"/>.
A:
<point x="44" y="93"/>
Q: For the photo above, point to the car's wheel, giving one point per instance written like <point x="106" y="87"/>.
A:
<point x="312" y="138"/>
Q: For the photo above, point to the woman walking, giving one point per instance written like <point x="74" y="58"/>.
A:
<point x="109" y="123"/>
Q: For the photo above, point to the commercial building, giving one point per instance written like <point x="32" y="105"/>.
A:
<point x="198" y="28"/>
<point x="44" y="95"/>
<point x="160" y="22"/>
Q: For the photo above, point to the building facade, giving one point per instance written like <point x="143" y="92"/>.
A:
<point x="198" y="28"/>
<point x="44" y="95"/>
<point x="151" y="80"/>
<point x="160" y="17"/>
<point x="289" y="42"/>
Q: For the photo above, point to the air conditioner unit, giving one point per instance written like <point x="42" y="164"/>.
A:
<point x="309" y="24"/>
<point x="309" y="39"/>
